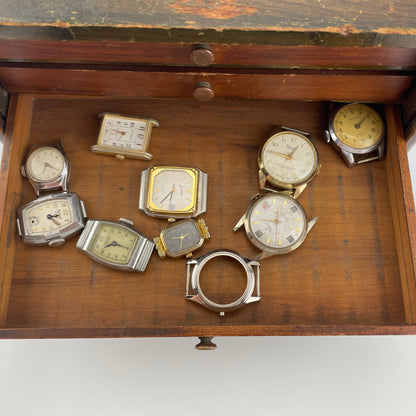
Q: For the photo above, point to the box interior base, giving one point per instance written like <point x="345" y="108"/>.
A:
<point x="345" y="273"/>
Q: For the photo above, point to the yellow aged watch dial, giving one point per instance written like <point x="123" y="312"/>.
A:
<point x="358" y="126"/>
<point x="114" y="243"/>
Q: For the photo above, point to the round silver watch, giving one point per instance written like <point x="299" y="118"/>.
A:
<point x="194" y="268"/>
<point x="46" y="168"/>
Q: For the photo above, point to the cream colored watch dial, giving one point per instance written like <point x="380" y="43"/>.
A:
<point x="48" y="217"/>
<point x="289" y="158"/>
<point x="277" y="221"/>
<point x="113" y="243"/>
<point x="45" y="163"/>
<point x="358" y="126"/>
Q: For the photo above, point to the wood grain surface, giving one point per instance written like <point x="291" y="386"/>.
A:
<point x="345" y="278"/>
<point x="322" y="23"/>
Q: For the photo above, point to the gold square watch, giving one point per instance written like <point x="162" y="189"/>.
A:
<point x="173" y="191"/>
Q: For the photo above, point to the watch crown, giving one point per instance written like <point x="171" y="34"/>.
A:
<point x="159" y="247"/>
<point x="203" y="228"/>
<point x="327" y="136"/>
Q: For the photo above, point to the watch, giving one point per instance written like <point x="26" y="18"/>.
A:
<point x="116" y="244"/>
<point x="46" y="168"/>
<point x="275" y="223"/>
<point x="125" y="136"/>
<point x="51" y="219"/>
<point x="288" y="160"/>
<point x="181" y="238"/>
<point x="173" y="191"/>
<point x="357" y="132"/>
<point x="194" y="268"/>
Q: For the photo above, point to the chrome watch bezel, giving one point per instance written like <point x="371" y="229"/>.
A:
<point x="59" y="181"/>
<point x="54" y="238"/>
<point x="194" y="268"/>
<point x="139" y="257"/>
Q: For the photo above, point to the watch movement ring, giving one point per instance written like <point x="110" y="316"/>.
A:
<point x="253" y="281"/>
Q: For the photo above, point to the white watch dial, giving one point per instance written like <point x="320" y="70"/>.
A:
<point x="173" y="189"/>
<point x="48" y="217"/>
<point x="290" y="158"/>
<point x="123" y="133"/>
<point x="277" y="221"/>
<point x="45" y="163"/>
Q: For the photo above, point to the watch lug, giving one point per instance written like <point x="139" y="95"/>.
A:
<point x="349" y="158"/>
<point x="311" y="223"/>
<point x="19" y="230"/>
<point x="262" y="179"/>
<point x="240" y="223"/>
<point x="263" y="255"/>
<point x="23" y="171"/>
<point x="299" y="190"/>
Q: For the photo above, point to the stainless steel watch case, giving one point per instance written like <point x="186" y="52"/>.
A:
<point x="140" y="256"/>
<point x="353" y="156"/>
<point x="59" y="182"/>
<point x="201" y="203"/>
<point x="56" y="238"/>
<point x="194" y="268"/>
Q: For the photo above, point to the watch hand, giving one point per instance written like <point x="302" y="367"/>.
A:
<point x="114" y="244"/>
<point x="170" y="194"/>
<point x="290" y="155"/>
<point x="264" y="219"/>
<point x="280" y="154"/>
<point x="358" y="125"/>
<point x="48" y="165"/>
<point x="52" y="218"/>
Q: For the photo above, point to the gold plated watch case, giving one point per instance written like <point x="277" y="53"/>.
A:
<point x="181" y="238"/>
<point x="357" y="132"/>
<point x="288" y="160"/>
<point x="173" y="191"/>
<point x="275" y="223"/>
<point x="46" y="168"/>
<point x="125" y="136"/>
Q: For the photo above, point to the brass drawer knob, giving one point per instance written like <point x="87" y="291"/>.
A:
<point x="202" y="55"/>
<point x="203" y="92"/>
<point x="206" y="344"/>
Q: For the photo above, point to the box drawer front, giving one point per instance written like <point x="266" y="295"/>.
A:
<point x="194" y="54"/>
<point x="295" y="85"/>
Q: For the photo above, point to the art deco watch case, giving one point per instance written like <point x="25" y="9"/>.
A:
<point x="173" y="191"/>
<point x="125" y="136"/>
<point x="51" y="219"/>
<point x="116" y="244"/>
<point x="275" y="223"/>
<point x="357" y="132"/>
<point x="288" y="161"/>
<point x="46" y="168"/>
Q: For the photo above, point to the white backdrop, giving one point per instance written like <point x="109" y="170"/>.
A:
<point x="249" y="375"/>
